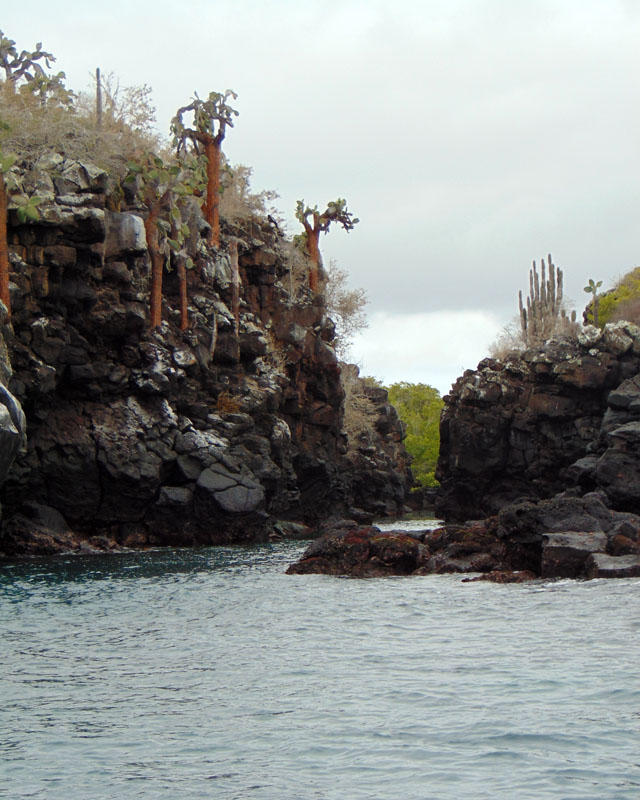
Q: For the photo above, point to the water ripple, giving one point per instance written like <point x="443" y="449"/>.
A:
<point x="209" y="673"/>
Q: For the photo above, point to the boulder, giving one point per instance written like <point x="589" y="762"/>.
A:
<point x="233" y="493"/>
<point x="361" y="553"/>
<point x="600" y="565"/>
<point x="124" y="235"/>
<point x="565" y="554"/>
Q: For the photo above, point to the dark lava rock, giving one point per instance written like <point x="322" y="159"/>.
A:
<point x="560" y="416"/>
<point x="504" y="576"/>
<point x="141" y="437"/>
<point x="565" y="555"/>
<point x="361" y="553"/>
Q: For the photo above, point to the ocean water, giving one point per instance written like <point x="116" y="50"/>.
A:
<point x="210" y="673"/>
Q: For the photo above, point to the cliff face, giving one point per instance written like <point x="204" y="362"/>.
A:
<point x="13" y="424"/>
<point x="209" y="435"/>
<point x="566" y="416"/>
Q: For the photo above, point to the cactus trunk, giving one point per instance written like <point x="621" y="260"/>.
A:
<point x="182" y="280"/>
<point x="155" y="300"/>
<point x="5" y="294"/>
<point x="314" y="256"/>
<point x="212" y="207"/>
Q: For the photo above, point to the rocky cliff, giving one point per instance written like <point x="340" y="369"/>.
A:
<point x="539" y="460"/>
<point x="13" y="424"/>
<point x="563" y="416"/>
<point x="225" y="432"/>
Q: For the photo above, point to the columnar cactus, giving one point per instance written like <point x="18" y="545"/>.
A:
<point x="543" y="311"/>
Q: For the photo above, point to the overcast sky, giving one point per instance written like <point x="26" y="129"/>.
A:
<point x="469" y="136"/>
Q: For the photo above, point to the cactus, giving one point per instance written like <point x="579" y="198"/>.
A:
<point x="314" y="223"/>
<point x="207" y="115"/>
<point x="592" y="288"/>
<point x="543" y="314"/>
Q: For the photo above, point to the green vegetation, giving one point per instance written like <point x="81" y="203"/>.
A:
<point x="621" y="302"/>
<point x="419" y="406"/>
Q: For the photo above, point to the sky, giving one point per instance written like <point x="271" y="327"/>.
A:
<point x="470" y="137"/>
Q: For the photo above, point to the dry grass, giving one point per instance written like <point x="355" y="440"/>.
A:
<point x="30" y="129"/>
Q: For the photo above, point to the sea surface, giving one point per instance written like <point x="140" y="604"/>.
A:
<point x="210" y="673"/>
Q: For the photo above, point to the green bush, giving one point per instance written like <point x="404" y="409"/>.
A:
<point x="419" y="406"/>
<point x="621" y="302"/>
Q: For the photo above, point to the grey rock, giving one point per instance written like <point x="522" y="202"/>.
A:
<point x="628" y="433"/>
<point x="15" y="412"/>
<point x="81" y="224"/>
<point x="216" y="480"/>
<point x="618" y="472"/>
<point x="9" y="442"/>
<point x="616" y="338"/>
<point x="184" y="358"/>
<point x="625" y="394"/>
<point x="600" y="565"/>
<point x="565" y="554"/>
<point x="190" y="468"/>
<point x="46" y="516"/>
<point x="284" y="529"/>
<point x="124" y="235"/>
<point x="240" y="499"/>
<point x="117" y="271"/>
<point x="175" y="496"/>
<point x="78" y="177"/>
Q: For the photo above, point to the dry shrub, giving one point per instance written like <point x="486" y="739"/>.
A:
<point x="345" y="306"/>
<point x="297" y="267"/>
<point x="509" y="342"/>
<point x="359" y="410"/>
<point x="31" y="128"/>
<point x="238" y="201"/>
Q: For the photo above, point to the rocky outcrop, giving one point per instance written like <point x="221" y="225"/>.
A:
<point x="221" y="433"/>
<point x="545" y="444"/>
<point x="378" y="464"/>
<point x="346" y="549"/>
<point x="563" y="537"/>
<point x="566" y="415"/>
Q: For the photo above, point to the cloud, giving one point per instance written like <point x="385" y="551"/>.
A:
<point x="433" y="348"/>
